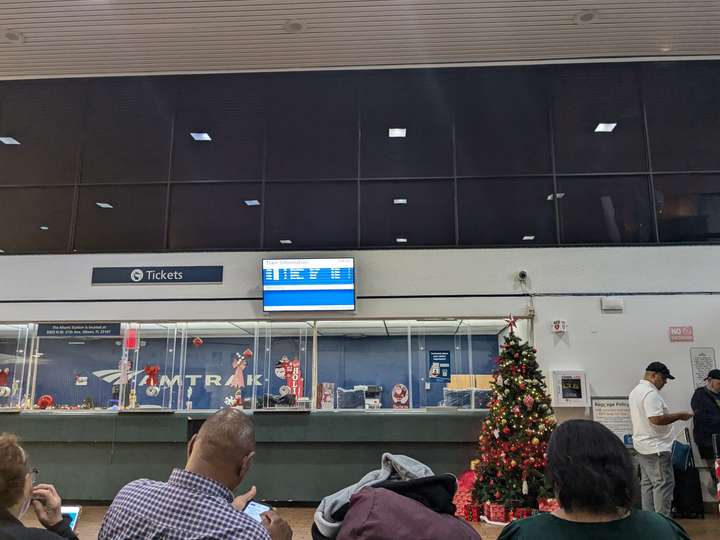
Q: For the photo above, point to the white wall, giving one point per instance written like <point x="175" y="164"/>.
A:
<point x="661" y="286"/>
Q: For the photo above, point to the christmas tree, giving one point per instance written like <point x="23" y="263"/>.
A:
<point x="514" y="437"/>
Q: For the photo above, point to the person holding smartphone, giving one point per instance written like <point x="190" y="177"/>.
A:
<point x="197" y="502"/>
<point x="18" y="492"/>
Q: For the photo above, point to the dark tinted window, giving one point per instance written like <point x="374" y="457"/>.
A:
<point x="312" y="126"/>
<point x="584" y="98"/>
<point x="45" y="117"/>
<point x="230" y="110"/>
<point x="513" y="211"/>
<point x="605" y="210"/>
<point x="688" y="207"/>
<point x="317" y="214"/>
<point x="35" y="220"/>
<point x="136" y="221"/>
<point x="128" y="137"/>
<point x="683" y="108"/>
<point x="418" y="211"/>
<point x="501" y="122"/>
<point x="215" y="216"/>
<point x="417" y="102"/>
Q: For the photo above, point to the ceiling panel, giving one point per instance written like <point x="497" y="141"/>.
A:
<point x="96" y="37"/>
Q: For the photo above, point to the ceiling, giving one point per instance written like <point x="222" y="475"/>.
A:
<point x="62" y="38"/>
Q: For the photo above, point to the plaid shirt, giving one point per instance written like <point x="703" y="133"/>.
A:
<point x="186" y="507"/>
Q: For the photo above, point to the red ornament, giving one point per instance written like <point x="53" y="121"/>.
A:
<point x="197" y="342"/>
<point x="45" y="401"/>
<point x="516" y="355"/>
<point x="522" y="386"/>
<point x="506" y="430"/>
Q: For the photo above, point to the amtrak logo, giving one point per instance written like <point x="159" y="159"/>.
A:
<point x="112" y="376"/>
<point x="137" y="275"/>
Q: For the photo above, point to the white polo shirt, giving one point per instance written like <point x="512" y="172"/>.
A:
<point x="646" y="401"/>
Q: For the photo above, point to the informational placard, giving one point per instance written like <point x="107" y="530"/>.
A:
<point x="157" y="275"/>
<point x="79" y="330"/>
<point x="681" y="333"/>
<point x="702" y="360"/>
<point x="439" y="366"/>
<point x="570" y="389"/>
<point x="614" y="414"/>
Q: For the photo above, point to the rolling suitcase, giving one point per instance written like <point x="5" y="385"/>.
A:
<point x="687" y="495"/>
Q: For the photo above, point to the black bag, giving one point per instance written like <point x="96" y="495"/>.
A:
<point x="687" y="495"/>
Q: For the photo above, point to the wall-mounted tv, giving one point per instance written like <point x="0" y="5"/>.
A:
<point x="308" y="284"/>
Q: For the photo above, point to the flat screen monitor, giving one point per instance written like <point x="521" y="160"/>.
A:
<point x="308" y="284"/>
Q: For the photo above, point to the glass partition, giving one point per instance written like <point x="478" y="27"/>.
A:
<point x="15" y="365"/>
<point x="100" y="366"/>
<point x="220" y="364"/>
<point x="362" y="365"/>
<point x="321" y="365"/>
<point x="286" y="365"/>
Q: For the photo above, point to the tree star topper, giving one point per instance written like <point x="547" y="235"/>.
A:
<point x="512" y="324"/>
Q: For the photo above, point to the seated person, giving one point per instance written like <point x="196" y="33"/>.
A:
<point x="197" y="502"/>
<point x="17" y="494"/>
<point x="592" y="475"/>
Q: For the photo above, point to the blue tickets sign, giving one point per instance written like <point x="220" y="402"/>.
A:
<point x="157" y="275"/>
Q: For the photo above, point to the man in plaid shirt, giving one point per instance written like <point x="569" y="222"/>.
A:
<point x="197" y="503"/>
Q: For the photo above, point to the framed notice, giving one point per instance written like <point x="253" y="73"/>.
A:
<point x="614" y="414"/>
<point x="702" y="360"/>
<point x="570" y="389"/>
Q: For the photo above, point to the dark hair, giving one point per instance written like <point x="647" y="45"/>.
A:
<point x="14" y="468"/>
<point x="590" y="468"/>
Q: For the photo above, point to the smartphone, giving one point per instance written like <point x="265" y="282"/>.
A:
<point x="254" y="509"/>
<point x="73" y="512"/>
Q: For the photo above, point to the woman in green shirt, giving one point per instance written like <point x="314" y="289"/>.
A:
<point x="592" y="475"/>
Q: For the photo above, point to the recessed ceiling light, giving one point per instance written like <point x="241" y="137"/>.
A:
<point x="104" y="205"/>
<point x="665" y="48"/>
<point x="201" y="136"/>
<point x="9" y="140"/>
<point x="587" y="16"/>
<point x="529" y="237"/>
<point x="252" y="202"/>
<point x="286" y="242"/>
<point x="605" y="127"/>
<point x="2" y="251"/>
<point x="399" y="201"/>
<point x="293" y="26"/>
<point x="554" y="195"/>
<point x="44" y="228"/>
<point x="397" y="132"/>
<point x="401" y="240"/>
<point x="12" y="36"/>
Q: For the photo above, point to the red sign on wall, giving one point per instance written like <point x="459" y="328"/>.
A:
<point x="681" y="333"/>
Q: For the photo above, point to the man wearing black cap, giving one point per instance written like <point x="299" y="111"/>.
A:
<point x="705" y="404"/>
<point x="653" y="438"/>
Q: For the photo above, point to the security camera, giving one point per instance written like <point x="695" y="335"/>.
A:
<point x="522" y="275"/>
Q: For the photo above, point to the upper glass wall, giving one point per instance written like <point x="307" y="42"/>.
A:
<point x="257" y="365"/>
<point x="560" y="155"/>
